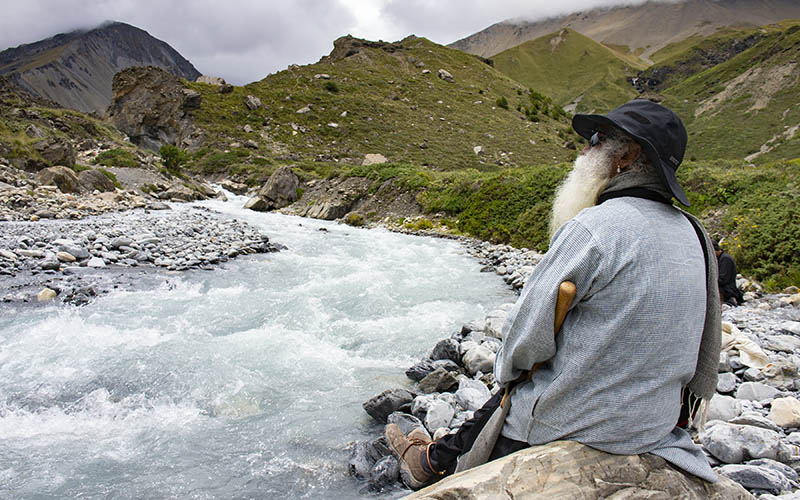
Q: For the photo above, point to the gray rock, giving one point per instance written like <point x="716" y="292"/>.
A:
<point x="55" y="151"/>
<point x="405" y="422"/>
<point x="734" y="444"/>
<point x="96" y="262"/>
<point x="736" y="363"/>
<point x="439" y="380"/>
<point x="89" y="180"/>
<point x="420" y="370"/>
<point x="753" y="375"/>
<point x="757" y="477"/>
<point x="783" y="343"/>
<point x="784" y="469"/>
<point x="495" y="320"/>
<point x="476" y="325"/>
<point x="724" y="362"/>
<point x="791" y="327"/>
<point x="472" y="394"/>
<point x="479" y="359"/>
<point x="385" y="472"/>
<point x="726" y="382"/>
<point x="756" y="391"/>
<point x="755" y="419"/>
<point x="446" y="76"/>
<point x="252" y="102"/>
<point x="446" y="349"/>
<point x="62" y="177"/>
<point x="256" y="203"/>
<point x="280" y="189"/>
<point x="120" y="241"/>
<point x="420" y="405"/>
<point x="364" y="455"/>
<point x="439" y="414"/>
<point x="381" y="406"/>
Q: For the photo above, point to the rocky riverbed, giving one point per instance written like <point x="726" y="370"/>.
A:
<point x="753" y="432"/>
<point x="75" y="260"/>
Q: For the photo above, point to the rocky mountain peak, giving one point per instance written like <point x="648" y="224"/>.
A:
<point x="76" y="69"/>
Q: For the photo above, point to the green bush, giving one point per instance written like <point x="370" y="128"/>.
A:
<point x="116" y="158"/>
<point x="502" y="102"/>
<point x="172" y="157"/>
<point x="331" y="87"/>
<point x="354" y="219"/>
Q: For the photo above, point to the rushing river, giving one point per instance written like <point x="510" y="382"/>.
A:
<point x="242" y="382"/>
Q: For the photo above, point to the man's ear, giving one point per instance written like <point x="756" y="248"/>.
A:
<point x="630" y="155"/>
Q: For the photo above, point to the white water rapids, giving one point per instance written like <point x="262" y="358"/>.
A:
<point x="241" y="382"/>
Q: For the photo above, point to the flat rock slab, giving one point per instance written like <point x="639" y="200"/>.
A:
<point x="567" y="470"/>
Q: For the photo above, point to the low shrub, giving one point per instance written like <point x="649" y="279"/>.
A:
<point x="116" y="158"/>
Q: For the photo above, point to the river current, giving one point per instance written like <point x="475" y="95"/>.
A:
<point x="241" y="382"/>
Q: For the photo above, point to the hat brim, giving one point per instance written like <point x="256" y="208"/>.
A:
<point x="585" y="125"/>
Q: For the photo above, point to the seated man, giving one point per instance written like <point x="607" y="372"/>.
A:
<point x="643" y="330"/>
<point x="728" y="291"/>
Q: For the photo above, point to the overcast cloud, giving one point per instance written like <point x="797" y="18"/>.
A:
<point x="244" y="40"/>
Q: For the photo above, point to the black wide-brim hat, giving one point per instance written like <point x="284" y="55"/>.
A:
<point x="657" y="129"/>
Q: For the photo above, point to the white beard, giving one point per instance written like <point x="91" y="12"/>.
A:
<point x="589" y="176"/>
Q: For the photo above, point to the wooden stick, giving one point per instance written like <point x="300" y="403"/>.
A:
<point x="566" y="292"/>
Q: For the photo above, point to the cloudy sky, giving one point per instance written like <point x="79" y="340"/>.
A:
<point x="244" y="40"/>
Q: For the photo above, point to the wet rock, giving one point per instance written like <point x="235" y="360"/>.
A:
<point x="446" y="349"/>
<point x="420" y="370"/>
<point x="439" y="380"/>
<point x="382" y="405"/>
<point x="385" y="472"/>
<point x="365" y="455"/>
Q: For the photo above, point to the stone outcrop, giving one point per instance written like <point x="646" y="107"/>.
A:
<point x="151" y="106"/>
<point x="54" y="151"/>
<point x="90" y="180"/>
<point x="568" y="470"/>
<point x="64" y="178"/>
<point x="279" y="191"/>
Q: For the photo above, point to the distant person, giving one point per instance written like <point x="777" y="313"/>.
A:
<point x="728" y="291"/>
<point x="643" y="332"/>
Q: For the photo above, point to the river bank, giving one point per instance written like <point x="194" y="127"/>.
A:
<point x="77" y="260"/>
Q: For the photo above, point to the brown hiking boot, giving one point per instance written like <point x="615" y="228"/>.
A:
<point x="410" y="451"/>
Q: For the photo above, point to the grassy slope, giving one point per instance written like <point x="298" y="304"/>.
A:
<point x="18" y="111"/>
<point x="577" y="65"/>
<point x="391" y="108"/>
<point x="735" y="124"/>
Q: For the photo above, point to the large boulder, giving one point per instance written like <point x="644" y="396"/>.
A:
<point x="54" y="151"/>
<point x="280" y="189"/>
<point x="63" y="177"/>
<point x="566" y="469"/>
<point x="90" y="180"/>
<point x="151" y="106"/>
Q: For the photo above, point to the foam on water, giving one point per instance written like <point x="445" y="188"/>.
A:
<point x="238" y="383"/>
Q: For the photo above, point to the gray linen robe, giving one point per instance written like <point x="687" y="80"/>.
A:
<point x="613" y="377"/>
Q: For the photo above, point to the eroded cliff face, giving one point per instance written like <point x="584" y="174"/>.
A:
<point x="76" y="69"/>
<point x="151" y="106"/>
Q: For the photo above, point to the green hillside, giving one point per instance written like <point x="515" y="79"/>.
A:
<point x="387" y="98"/>
<point x="746" y="107"/>
<point x="567" y="65"/>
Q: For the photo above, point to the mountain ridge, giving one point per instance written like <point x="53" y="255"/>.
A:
<point x="640" y="30"/>
<point x="75" y="69"/>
